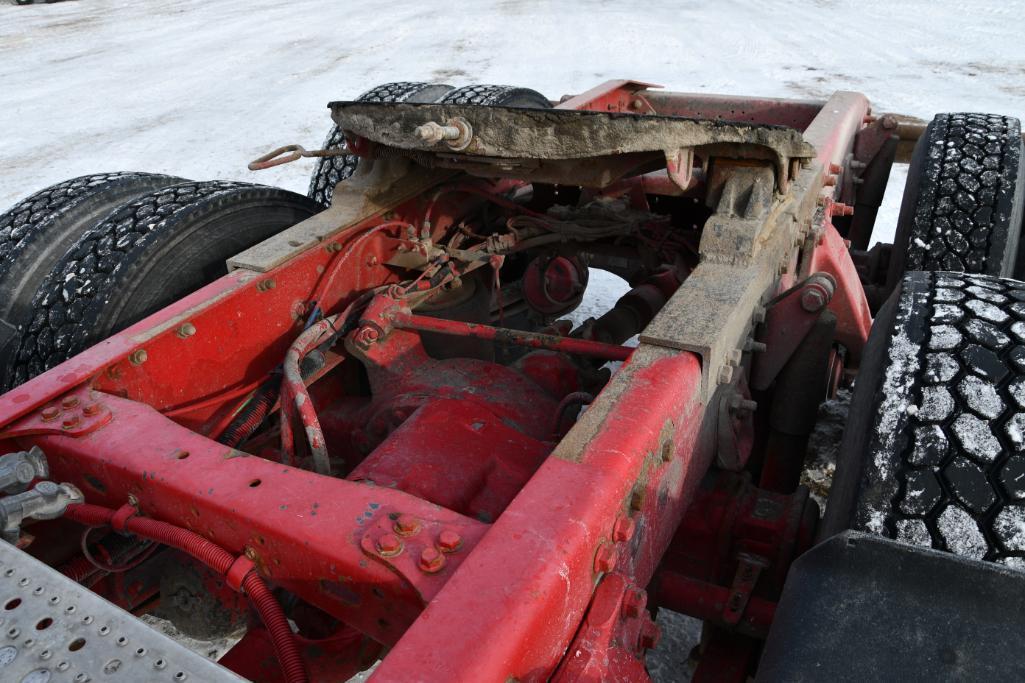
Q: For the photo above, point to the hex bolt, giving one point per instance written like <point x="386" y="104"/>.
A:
<point x="739" y="404"/>
<point x="407" y="525"/>
<point x="70" y="422"/>
<point x="605" y="559"/>
<point x="431" y="560"/>
<point x="186" y="331"/>
<point x="389" y="545"/>
<point x="813" y="299"/>
<point x="90" y="409"/>
<point x="51" y="413"/>
<point x="449" y="541"/>
<point x="433" y="132"/>
<point x="69" y="402"/>
<point x="623" y="530"/>
<point x="634" y="601"/>
<point x="138" y="357"/>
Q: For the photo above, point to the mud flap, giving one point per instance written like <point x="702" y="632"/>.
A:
<point x="863" y="608"/>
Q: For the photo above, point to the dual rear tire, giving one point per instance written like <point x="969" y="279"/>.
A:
<point x="934" y="449"/>
<point x="85" y="258"/>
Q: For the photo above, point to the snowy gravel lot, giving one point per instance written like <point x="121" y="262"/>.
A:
<point x="198" y="88"/>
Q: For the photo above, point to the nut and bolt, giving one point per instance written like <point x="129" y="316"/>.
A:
<point x="138" y="357"/>
<point x="69" y="402"/>
<point x="70" y="422"/>
<point x="265" y="285"/>
<point x="841" y="209"/>
<point x="623" y="530"/>
<point x="90" y="409"/>
<point x="634" y="602"/>
<point x="457" y="133"/>
<point x="605" y="559"/>
<point x="813" y="299"/>
<point x="449" y="541"/>
<point x="367" y="336"/>
<point x="389" y="545"/>
<point x="250" y="553"/>
<point x="407" y="525"/>
<point x="51" y="413"/>
<point x="431" y="560"/>
<point x="739" y="404"/>
<point x="433" y="132"/>
<point x="186" y="330"/>
<point x="818" y="290"/>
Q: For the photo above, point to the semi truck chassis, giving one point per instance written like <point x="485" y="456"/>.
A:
<point x="377" y="429"/>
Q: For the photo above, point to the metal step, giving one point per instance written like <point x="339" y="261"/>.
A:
<point x="54" y="630"/>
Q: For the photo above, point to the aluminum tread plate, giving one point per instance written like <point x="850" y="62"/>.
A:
<point x="52" y="629"/>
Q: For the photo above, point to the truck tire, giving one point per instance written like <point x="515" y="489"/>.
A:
<point x="145" y="255"/>
<point x="38" y="230"/>
<point x="934" y="449"/>
<point x="332" y="170"/>
<point x="963" y="202"/>
<point x="497" y="96"/>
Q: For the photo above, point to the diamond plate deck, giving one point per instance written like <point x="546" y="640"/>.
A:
<point x="54" y="630"/>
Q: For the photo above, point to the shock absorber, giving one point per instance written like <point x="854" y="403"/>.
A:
<point x="636" y="308"/>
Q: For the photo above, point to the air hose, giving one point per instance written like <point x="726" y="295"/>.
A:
<point x="239" y="572"/>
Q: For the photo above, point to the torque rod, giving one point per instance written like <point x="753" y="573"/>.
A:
<point x="581" y="347"/>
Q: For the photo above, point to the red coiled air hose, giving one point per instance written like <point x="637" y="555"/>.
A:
<point x="218" y="559"/>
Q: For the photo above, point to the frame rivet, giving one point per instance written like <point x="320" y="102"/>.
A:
<point x="70" y="422"/>
<point x="90" y="409"/>
<point x="138" y="357"/>
<point x="51" y="413"/>
<point x="186" y="330"/>
<point x="69" y="402"/>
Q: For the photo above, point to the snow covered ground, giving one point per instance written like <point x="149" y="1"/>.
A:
<point x="199" y="88"/>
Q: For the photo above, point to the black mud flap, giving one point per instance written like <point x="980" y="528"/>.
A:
<point x="859" y="607"/>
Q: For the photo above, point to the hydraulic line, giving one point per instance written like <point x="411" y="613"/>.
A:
<point x="218" y="559"/>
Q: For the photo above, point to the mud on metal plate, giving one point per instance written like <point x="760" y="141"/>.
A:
<point x="559" y="145"/>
